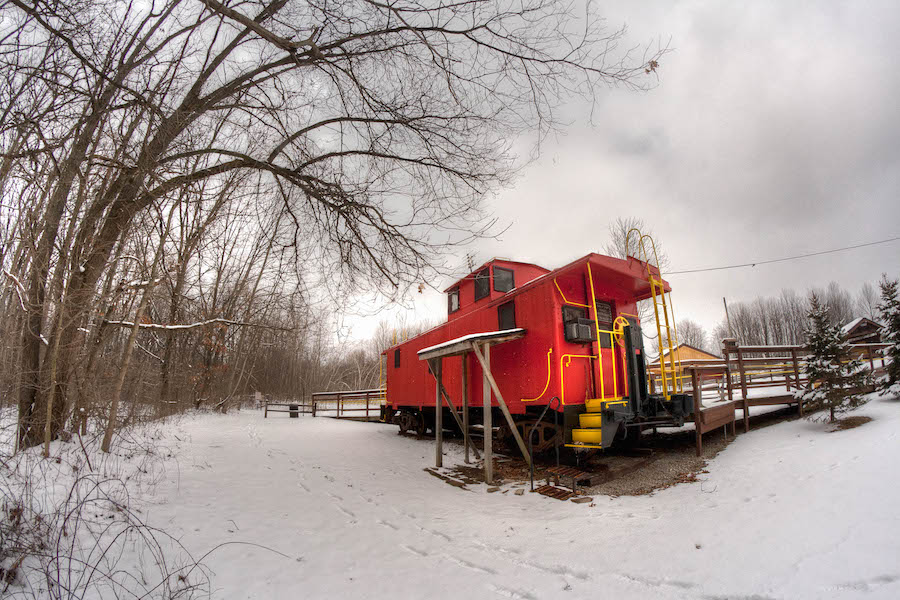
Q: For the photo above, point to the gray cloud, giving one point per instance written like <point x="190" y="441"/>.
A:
<point x="774" y="130"/>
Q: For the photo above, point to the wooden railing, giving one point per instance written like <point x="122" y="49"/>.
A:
<point x="351" y="404"/>
<point x="747" y="367"/>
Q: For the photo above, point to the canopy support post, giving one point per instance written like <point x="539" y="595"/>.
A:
<point x="486" y="368"/>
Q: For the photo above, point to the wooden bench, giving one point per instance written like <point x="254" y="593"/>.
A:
<point x="713" y="417"/>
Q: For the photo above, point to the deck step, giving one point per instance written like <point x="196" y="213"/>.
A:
<point x="588" y="436"/>
<point x="590" y="420"/>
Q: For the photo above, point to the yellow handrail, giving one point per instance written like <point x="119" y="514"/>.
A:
<point x="597" y="327"/>
<point x="563" y="296"/>
<point x="546" y="385"/>
<point x="562" y="373"/>
<point x="671" y="381"/>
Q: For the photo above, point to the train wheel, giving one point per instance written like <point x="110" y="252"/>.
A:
<point x="406" y="420"/>
<point x="420" y="424"/>
<point x="545" y="436"/>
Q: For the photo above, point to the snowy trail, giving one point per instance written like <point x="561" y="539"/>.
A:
<point x="788" y="511"/>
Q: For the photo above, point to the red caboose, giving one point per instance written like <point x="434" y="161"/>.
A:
<point x="572" y="334"/>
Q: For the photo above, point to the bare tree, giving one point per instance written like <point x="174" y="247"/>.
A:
<point x="692" y="333"/>
<point x="621" y="245"/>
<point x="688" y="332"/>
<point x="619" y="239"/>
<point x="371" y="131"/>
<point x="867" y="302"/>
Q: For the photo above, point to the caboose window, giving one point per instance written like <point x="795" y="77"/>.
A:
<point x="504" y="279"/>
<point x="397" y="358"/>
<point x="605" y="321"/>
<point x="453" y="300"/>
<point x="506" y="316"/>
<point x="482" y="283"/>
<point x="604" y="314"/>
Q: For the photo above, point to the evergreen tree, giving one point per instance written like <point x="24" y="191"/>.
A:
<point x="835" y="376"/>
<point x="889" y="307"/>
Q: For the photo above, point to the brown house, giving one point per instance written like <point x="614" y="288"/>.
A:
<point x="682" y="352"/>
<point x="862" y="331"/>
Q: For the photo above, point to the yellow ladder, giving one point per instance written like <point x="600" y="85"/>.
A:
<point x="664" y="312"/>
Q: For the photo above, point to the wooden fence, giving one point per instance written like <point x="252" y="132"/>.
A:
<point x="352" y="404"/>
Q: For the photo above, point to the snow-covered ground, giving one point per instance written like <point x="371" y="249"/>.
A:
<point x="320" y="508"/>
<point x="788" y="511"/>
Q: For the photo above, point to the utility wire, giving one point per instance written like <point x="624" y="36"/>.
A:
<point x="775" y="260"/>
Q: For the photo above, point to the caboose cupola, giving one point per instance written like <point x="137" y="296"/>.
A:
<point x="488" y="282"/>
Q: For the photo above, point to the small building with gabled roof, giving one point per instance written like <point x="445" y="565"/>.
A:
<point x="862" y="331"/>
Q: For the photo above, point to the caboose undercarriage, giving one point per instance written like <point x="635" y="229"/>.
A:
<point x="596" y="424"/>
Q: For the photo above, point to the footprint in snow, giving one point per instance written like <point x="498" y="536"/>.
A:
<point x="864" y="585"/>
<point x="443" y="536"/>
<point x="415" y="551"/>
<point x="512" y="594"/>
<point x="471" y="566"/>
<point x="348" y="513"/>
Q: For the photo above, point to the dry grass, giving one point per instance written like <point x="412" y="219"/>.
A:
<point x="848" y="423"/>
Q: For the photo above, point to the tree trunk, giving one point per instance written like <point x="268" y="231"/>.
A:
<point x="132" y="338"/>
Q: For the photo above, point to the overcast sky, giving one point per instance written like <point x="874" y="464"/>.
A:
<point x="774" y="130"/>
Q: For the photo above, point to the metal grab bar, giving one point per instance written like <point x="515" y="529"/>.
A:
<point x="534" y="427"/>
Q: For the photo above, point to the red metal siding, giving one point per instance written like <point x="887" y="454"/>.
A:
<point x="521" y="366"/>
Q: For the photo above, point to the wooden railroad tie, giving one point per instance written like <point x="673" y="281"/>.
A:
<point x="557" y="493"/>
<point x="571" y="473"/>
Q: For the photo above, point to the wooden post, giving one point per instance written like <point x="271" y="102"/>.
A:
<point x="871" y="358"/>
<point x="266" y="411"/>
<point x="743" y="372"/>
<point x="503" y="408"/>
<point x="696" y="382"/>
<point x="367" y="407"/>
<point x="454" y="415"/>
<point x="486" y="409"/>
<point x="438" y="414"/>
<point x="698" y="430"/>
<point x="728" y="382"/>
<point x="787" y="377"/>
<point x="313" y="400"/>
<point x="727" y="345"/>
<point x="465" y="403"/>
<point x="796" y="362"/>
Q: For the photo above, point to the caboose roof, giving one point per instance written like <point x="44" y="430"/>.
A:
<point x="630" y="275"/>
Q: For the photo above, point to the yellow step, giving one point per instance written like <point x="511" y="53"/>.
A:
<point x="590" y="420"/>
<point x="588" y="436"/>
<point x="598" y="404"/>
<point x="583" y="446"/>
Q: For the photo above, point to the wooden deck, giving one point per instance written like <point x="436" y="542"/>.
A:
<point x="755" y="368"/>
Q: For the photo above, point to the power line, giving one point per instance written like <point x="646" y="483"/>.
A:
<point x="775" y="260"/>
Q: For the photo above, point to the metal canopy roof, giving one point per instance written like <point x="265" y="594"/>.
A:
<point x="462" y="345"/>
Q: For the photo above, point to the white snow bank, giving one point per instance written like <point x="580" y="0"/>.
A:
<point x="788" y="511"/>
